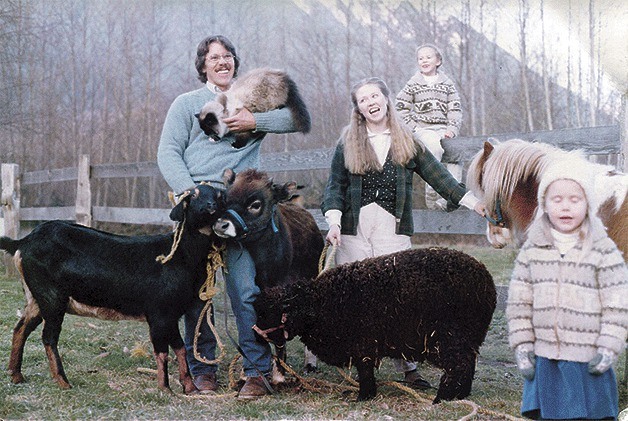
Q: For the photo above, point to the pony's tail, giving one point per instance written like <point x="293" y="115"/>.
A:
<point x="297" y="107"/>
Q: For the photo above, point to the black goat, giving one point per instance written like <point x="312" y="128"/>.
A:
<point x="69" y="268"/>
<point x="430" y="304"/>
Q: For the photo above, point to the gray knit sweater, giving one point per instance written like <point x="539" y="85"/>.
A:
<point x="186" y="156"/>
<point x="422" y="104"/>
<point x="567" y="306"/>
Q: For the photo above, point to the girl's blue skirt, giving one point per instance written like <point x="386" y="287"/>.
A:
<point x="566" y="390"/>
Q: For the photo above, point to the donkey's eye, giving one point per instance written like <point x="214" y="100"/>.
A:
<point x="255" y="207"/>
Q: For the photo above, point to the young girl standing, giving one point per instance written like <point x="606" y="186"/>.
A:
<point x="567" y="305"/>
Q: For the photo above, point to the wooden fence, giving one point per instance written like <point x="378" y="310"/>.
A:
<point x="595" y="141"/>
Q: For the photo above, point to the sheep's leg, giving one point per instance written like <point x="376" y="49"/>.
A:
<point x="184" y="373"/>
<point x="278" y="370"/>
<point x="366" y="378"/>
<point x="50" y="339"/>
<point x="25" y="326"/>
<point x="310" y="360"/>
<point x="282" y="355"/>
<point x="455" y="383"/>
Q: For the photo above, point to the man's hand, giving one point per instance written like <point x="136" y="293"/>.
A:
<point x="449" y="135"/>
<point x="242" y="121"/>
<point x="333" y="235"/>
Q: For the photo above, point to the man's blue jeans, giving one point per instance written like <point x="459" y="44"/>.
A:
<point x="242" y="292"/>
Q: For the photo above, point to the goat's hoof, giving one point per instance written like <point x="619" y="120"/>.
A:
<point x="166" y="389"/>
<point x="17" y="378"/>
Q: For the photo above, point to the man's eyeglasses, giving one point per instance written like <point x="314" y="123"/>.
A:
<point x="215" y="58"/>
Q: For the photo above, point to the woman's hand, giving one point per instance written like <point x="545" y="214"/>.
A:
<point x="333" y="235"/>
<point x="480" y="209"/>
<point x="449" y="135"/>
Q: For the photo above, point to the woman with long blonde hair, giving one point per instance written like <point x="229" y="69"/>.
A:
<point x="368" y="197"/>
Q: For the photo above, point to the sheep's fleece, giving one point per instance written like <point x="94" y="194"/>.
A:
<point x="432" y="304"/>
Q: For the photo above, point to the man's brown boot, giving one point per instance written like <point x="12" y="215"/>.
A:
<point x="253" y="388"/>
<point x="206" y="383"/>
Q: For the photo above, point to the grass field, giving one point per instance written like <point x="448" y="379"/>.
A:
<point x="108" y="385"/>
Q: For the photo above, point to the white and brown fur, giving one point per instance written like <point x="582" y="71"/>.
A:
<point x="511" y="171"/>
<point x="260" y="90"/>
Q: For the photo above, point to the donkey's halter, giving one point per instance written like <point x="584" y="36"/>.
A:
<point x="499" y="220"/>
<point x="246" y="230"/>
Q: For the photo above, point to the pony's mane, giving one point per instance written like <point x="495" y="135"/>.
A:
<point x="510" y="163"/>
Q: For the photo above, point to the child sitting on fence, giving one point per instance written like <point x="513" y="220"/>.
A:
<point x="430" y="105"/>
<point x="567" y="304"/>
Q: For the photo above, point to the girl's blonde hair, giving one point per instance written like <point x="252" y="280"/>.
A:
<point x="360" y="157"/>
<point x="433" y="47"/>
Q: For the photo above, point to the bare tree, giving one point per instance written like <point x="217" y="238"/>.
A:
<point x="524" y="10"/>
<point x="592" y="86"/>
<point x="545" y="72"/>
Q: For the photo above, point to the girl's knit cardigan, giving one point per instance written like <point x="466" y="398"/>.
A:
<point x="568" y="306"/>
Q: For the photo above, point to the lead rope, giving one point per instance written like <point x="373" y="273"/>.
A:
<point x="206" y="293"/>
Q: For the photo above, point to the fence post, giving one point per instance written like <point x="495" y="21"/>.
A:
<point x="10" y="201"/>
<point x="83" y="207"/>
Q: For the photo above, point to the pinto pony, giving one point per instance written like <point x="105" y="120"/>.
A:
<point x="506" y="176"/>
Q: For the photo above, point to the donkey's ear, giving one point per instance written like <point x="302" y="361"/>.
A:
<point x="285" y="192"/>
<point x="228" y="177"/>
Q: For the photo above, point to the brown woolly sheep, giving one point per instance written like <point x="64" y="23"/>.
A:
<point x="431" y="304"/>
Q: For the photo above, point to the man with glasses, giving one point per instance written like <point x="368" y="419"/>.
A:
<point x="186" y="157"/>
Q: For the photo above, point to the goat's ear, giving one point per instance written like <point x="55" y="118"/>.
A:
<point x="178" y="212"/>
<point x="228" y="177"/>
<point x="283" y="193"/>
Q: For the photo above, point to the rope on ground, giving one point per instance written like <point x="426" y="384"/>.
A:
<point x="316" y="385"/>
<point x="206" y="293"/>
<point x="233" y="378"/>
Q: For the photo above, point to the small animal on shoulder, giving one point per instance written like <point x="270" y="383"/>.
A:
<point x="260" y="90"/>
